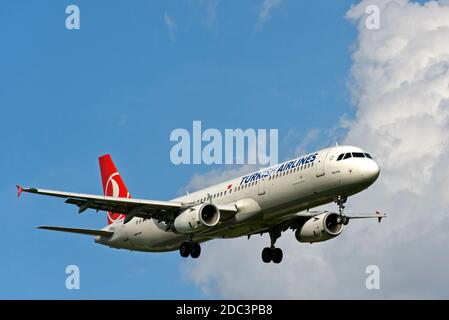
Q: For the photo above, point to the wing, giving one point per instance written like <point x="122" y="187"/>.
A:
<point x="89" y="232"/>
<point x="309" y="214"/>
<point x="160" y="210"/>
<point x="296" y="220"/>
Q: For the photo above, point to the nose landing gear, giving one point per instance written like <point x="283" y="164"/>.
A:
<point x="341" y="219"/>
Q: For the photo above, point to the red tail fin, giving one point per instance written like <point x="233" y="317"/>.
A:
<point x="113" y="184"/>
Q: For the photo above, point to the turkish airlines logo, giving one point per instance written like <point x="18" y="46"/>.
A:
<point x="112" y="189"/>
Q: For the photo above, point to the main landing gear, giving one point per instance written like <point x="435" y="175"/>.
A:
<point x="192" y="249"/>
<point x="341" y="219"/>
<point x="272" y="254"/>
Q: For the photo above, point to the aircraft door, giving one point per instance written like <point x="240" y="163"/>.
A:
<point x="320" y="164"/>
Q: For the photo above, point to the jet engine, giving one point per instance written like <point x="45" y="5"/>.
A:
<point x="319" y="228"/>
<point x="201" y="216"/>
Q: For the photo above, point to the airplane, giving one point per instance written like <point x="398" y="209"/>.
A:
<point x="270" y="200"/>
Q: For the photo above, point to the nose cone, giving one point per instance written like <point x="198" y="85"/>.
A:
<point x="370" y="171"/>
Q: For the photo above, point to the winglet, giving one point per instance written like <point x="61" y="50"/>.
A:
<point x="379" y="219"/>
<point x="19" y="190"/>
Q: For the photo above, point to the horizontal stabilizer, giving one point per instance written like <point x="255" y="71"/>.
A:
<point x="89" y="232"/>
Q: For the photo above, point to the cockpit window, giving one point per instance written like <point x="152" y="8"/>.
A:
<point x="348" y="155"/>
<point x="358" y="155"/>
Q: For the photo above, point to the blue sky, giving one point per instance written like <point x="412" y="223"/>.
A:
<point x="120" y="85"/>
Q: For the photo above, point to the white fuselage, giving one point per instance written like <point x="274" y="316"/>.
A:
<point x="264" y="198"/>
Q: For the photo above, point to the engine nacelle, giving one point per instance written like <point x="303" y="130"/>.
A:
<point x="201" y="216"/>
<point x="319" y="228"/>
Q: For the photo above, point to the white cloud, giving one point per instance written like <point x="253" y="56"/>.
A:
<point x="171" y="26"/>
<point x="211" y="7"/>
<point x="400" y="88"/>
<point x="265" y="11"/>
<point x="311" y="136"/>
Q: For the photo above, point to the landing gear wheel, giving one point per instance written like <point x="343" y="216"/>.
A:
<point x="345" y="220"/>
<point x="185" y="249"/>
<point x="196" y="250"/>
<point x="267" y="255"/>
<point x="277" y="255"/>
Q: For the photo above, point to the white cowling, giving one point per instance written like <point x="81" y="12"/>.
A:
<point x="319" y="228"/>
<point x="201" y="216"/>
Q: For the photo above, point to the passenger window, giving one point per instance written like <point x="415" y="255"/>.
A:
<point x="340" y="157"/>
<point x="348" y="155"/>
